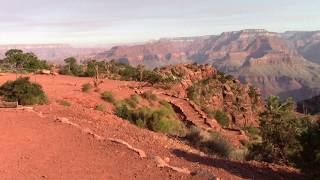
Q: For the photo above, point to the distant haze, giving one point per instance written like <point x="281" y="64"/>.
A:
<point x="99" y="22"/>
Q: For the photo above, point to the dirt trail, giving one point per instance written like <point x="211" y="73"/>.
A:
<point x="198" y="118"/>
<point x="41" y="148"/>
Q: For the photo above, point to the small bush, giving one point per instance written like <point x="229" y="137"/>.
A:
<point x="160" y="119"/>
<point x="239" y="154"/>
<point x="135" y="98"/>
<point x="23" y="91"/>
<point x="221" y="117"/>
<point x="123" y="111"/>
<point x="168" y="126"/>
<point x="64" y="103"/>
<point x="100" y="107"/>
<point x="86" y="87"/>
<point x="149" y="96"/>
<point x="220" y="146"/>
<point x="212" y="143"/>
<point x="252" y="132"/>
<point x="108" y="96"/>
<point x="131" y="103"/>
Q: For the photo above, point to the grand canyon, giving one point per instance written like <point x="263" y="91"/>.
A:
<point x="282" y="64"/>
<point x="161" y="89"/>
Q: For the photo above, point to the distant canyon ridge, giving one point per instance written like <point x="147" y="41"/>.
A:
<point x="284" y="64"/>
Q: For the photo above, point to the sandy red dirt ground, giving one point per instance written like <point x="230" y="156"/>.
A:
<point x="34" y="145"/>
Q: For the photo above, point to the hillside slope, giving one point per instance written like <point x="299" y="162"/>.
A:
<point x="39" y="146"/>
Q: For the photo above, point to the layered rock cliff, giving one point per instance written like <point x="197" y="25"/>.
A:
<point x="279" y="63"/>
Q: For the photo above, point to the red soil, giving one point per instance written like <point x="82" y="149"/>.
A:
<point x="35" y="146"/>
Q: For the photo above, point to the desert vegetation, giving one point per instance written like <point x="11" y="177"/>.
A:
<point x="100" y="107"/>
<point x="86" y="87"/>
<point x="19" y="61"/>
<point x="107" y="96"/>
<point x="64" y="102"/>
<point x="221" y="117"/>
<point x="23" y="91"/>
<point x="149" y="112"/>
<point x="209" y="142"/>
<point x="286" y="138"/>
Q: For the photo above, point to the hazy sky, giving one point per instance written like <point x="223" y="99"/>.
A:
<point x="89" y="22"/>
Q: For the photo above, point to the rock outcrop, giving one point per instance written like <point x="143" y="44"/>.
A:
<point x="213" y="91"/>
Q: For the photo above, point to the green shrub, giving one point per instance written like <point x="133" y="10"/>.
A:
<point x="23" y="91"/>
<point x="252" y="132"/>
<point x="64" y="103"/>
<point x="108" y="96"/>
<point x="86" y="87"/>
<point x="71" y="67"/>
<point x="132" y="102"/>
<point x="27" y="62"/>
<point x="169" y="126"/>
<point x="280" y="130"/>
<point x="221" y="117"/>
<point x="212" y="143"/>
<point x="239" y="154"/>
<point x="149" y="96"/>
<point x="309" y="157"/>
<point x="123" y="111"/>
<point x="135" y="98"/>
<point x="159" y="119"/>
<point x="220" y="146"/>
<point x="100" y="107"/>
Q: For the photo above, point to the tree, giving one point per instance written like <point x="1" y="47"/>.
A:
<point x="16" y="57"/>
<point x="71" y="67"/>
<point x="141" y="68"/>
<point x="32" y="63"/>
<point x="27" y="61"/>
<point x="280" y="131"/>
<point x="309" y="160"/>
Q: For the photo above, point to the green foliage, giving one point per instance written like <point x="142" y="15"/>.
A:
<point x="212" y="143"/>
<point x="239" y="154"/>
<point x="309" y="157"/>
<point x="201" y="92"/>
<point x="64" y="103"/>
<point x="160" y="119"/>
<point x="91" y="70"/>
<point x="108" y="96"/>
<point x="23" y="91"/>
<point x="86" y="87"/>
<point x="100" y="107"/>
<point x="28" y="62"/>
<point x="152" y="77"/>
<point x="132" y="101"/>
<point x="71" y="67"/>
<point x="251" y="130"/>
<point x="279" y="129"/>
<point x="221" y="117"/>
<point x="149" y="96"/>
<point x="169" y="126"/>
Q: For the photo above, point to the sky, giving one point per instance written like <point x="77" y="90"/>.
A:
<point x="94" y="22"/>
